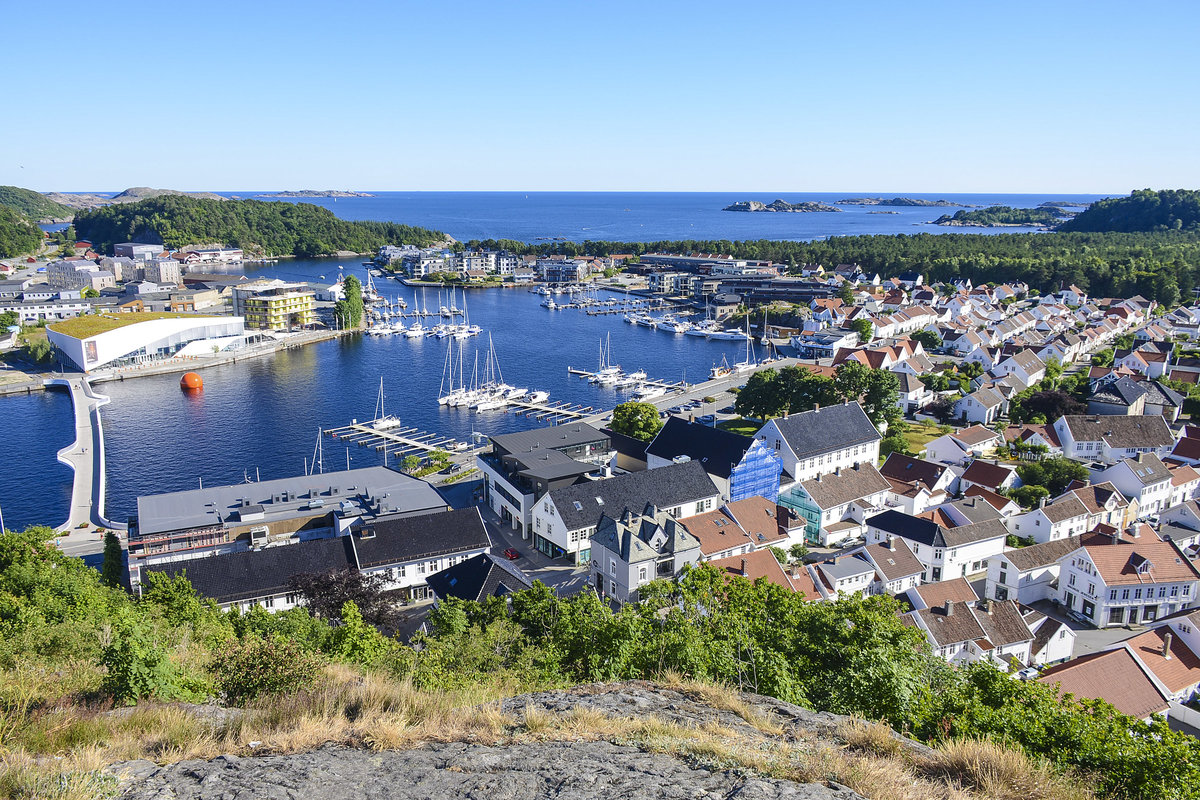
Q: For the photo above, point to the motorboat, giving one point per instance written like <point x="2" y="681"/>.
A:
<point x="537" y="397"/>
<point x="416" y="331"/>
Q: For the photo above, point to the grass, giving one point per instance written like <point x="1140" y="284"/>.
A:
<point x="746" y="427"/>
<point x="919" y="434"/>
<point x="61" y="747"/>
<point x="87" y="325"/>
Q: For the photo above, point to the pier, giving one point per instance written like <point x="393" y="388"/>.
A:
<point x="552" y="410"/>
<point x="85" y="456"/>
<point x="407" y="441"/>
<point x="667" y="385"/>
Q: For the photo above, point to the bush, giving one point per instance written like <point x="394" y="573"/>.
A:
<point x="137" y="667"/>
<point x="251" y="668"/>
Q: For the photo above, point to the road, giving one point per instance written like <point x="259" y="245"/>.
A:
<point x="85" y="456"/>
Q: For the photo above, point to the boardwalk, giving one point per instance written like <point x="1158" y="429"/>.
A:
<point x="85" y="456"/>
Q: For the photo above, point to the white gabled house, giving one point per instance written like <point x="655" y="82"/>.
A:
<point x="820" y="441"/>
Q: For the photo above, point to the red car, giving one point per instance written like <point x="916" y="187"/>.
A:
<point x="511" y="554"/>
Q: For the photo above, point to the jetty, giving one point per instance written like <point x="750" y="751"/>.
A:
<point x="552" y="410"/>
<point x="85" y="456"/>
<point x="667" y="385"/>
<point x="396" y="438"/>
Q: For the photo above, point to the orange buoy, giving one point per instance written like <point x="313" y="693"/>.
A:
<point x="191" y="382"/>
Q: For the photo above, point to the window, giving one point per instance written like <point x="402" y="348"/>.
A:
<point x="1137" y="594"/>
<point x="1174" y="591"/>
<point x="1092" y="589"/>
<point x="421" y="569"/>
<point x="1162" y="591"/>
<point x="1004" y="577"/>
<point x="641" y="574"/>
<point x="1112" y="595"/>
<point x="1071" y="580"/>
<point x="612" y="566"/>
<point x="1124" y="594"/>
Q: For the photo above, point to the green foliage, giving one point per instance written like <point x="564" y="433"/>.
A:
<point x="300" y="229"/>
<point x="780" y="554"/>
<point x="33" y="204"/>
<point x="113" y="569"/>
<point x="637" y="420"/>
<point x="894" y="443"/>
<point x="930" y="340"/>
<point x="798" y="551"/>
<point x="356" y="642"/>
<point x="970" y="369"/>
<point x="349" y="310"/>
<point x="1003" y="215"/>
<point x="846" y="294"/>
<point x="137" y="666"/>
<point x="8" y="319"/>
<point x="1144" y="210"/>
<point x="254" y="667"/>
<point x="774" y="393"/>
<point x="1029" y="405"/>
<point x="1028" y="496"/>
<point x="1053" y="473"/>
<point x="864" y="328"/>
<point x="18" y="234"/>
<point x="1103" y="358"/>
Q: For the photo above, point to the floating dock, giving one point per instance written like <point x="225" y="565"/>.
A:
<point x="400" y="440"/>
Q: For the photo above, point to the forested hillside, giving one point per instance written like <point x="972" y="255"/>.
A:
<point x="18" y="234"/>
<point x="300" y="229"/>
<point x="32" y="204"/>
<point x="1144" y="210"/>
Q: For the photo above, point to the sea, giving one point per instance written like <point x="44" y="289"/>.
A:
<point x="260" y="418"/>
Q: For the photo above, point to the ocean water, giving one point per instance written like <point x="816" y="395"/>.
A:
<point x="657" y="216"/>
<point x="261" y="417"/>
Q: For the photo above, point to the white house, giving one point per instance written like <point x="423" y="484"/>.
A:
<point x="962" y="445"/>
<point x="945" y="552"/>
<point x="981" y="406"/>
<point x="1143" y="478"/>
<point x="1110" y="438"/>
<point x="817" y="442"/>
<point x="1065" y="517"/>
<point x="1028" y="574"/>
<point x="1025" y="366"/>
<point x="844" y="494"/>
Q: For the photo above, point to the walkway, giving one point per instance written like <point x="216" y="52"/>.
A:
<point x="86" y="457"/>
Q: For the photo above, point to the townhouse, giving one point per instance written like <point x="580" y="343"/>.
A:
<point x="1067" y="516"/>
<point x="962" y="445"/>
<point x="740" y="466"/>
<point x="988" y="475"/>
<point x="983" y="630"/>
<point x="845" y="494"/>
<point x="1144" y="478"/>
<point x="1028" y="574"/>
<point x="817" y="442"/>
<point x="982" y="406"/>
<point x="1110" y="438"/>
<point x="744" y="526"/>
<point x="945" y="552"/>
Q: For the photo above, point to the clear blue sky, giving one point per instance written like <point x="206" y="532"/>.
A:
<point x="560" y="95"/>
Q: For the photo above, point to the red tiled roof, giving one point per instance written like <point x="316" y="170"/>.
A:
<point x="986" y="474"/>
<point x="754" y="565"/>
<point x="1118" y="562"/>
<point x="1114" y="677"/>
<point x="1179" y="672"/>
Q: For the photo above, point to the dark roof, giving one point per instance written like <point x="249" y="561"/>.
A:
<point x="947" y="629"/>
<point x="1041" y="555"/>
<point x="1002" y="622"/>
<point x="826" y="429"/>
<point x="552" y="437"/>
<point x="479" y="578"/>
<point x="987" y="474"/>
<point x="231" y="577"/>
<point x="845" y="485"/>
<point x="665" y="487"/>
<point x="1123" y="391"/>
<point x="898" y="563"/>
<point x="424" y="536"/>
<point x="907" y="526"/>
<point x="1119" y="431"/>
<point x="909" y="469"/>
<point x="626" y="445"/>
<point x="718" y="450"/>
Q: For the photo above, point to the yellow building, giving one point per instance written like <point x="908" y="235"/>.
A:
<point x="275" y="305"/>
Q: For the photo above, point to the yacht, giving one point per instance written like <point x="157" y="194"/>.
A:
<point x="672" y="325"/>
<point x="537" y="397"/>
<point x="416" y="331"/>
<point x="646" y="392"/>
<point x="721" y="370"/>
<point x="730" y="335"/>
<point x="549" y="303"/>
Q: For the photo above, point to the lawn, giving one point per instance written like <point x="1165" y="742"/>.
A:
<point x="746" y="427"/>
<point x="920" y="434"/>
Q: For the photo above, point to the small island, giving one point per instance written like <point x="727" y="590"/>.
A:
<point x="1004" y="217"/>
<point x="883" y="212"/>
<point x="315" y="193"/>
<point x="899" y="201"/>
<point x="1062" y="204"/>
<point x="781" y="206"/>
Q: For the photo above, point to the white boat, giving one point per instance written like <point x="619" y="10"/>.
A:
<point x="637" y="375"/>
<point x="383" y="421"/>
<point x="550" y="304"/>
<point x="672" y="325"/>
<point x="537" y="397"/>
<point x="748" y="364"/>
<point x="721" y="370"/>
<point x="730" y="335"/>
<point x="647" y="321"/>
<point x="416" y="331"/>
<point x="646" y="392"/>
<point x="516" y="394"/>
<point x="444" y="311"/>
<point x="442" y="331"/>
<point x="489" y="403"/>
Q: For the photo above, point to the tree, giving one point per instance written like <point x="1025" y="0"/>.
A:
<point x="8" y="319"/>
<point x="929" y="339"/>
<point x="1028" y="496"/>
<point x="113" y="569"/>
<point x="1053" y="473"/>
<point x="864" y="328"/>
<point x="798" y="551"/>
<point x="1103" y="358"/>
<point x="349" y="310"/>
<point x="763" y="396"/>
<point x="846" y="294"/>
<point x="894" y="443"/>
<point x="1054" y="370"/>
<point x="780" y="554"/>
<point x="970" y="369"/>
<point x="88" y="292"/>
<point x="327" y="593"/>
<point x="637" y="420"/>
<point x="1050" y="405"/>
<point x="877" y="390"/>
<point x="935" y="381"/>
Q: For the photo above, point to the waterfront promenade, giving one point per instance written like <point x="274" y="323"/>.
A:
<point x="86" y="457"/>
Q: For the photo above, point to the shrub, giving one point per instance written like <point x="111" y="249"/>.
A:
<point x="137" y="667"/>
<point x="248" y="669"/>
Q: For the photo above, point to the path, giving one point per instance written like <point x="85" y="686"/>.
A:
<point x="86" y="457"/>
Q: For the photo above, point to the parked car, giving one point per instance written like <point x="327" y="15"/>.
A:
<point x="727" y="410"/>
<point x="1028" y="674"/>
<point x="511" y="554"/>
<point x="708" y="419"/>
<point x="676" y="410"/>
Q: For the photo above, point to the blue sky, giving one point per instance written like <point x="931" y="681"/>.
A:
<point x="1089" y="97"/>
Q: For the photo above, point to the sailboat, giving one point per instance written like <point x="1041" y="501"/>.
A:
<point x="369" y="294"/>
<point x="382" y="421"/>
<point x="607" y="372"/>
<point x="493" y="393"/>
<point x="748" y="364"/>
<point x="453" y="308"/>
<point x="765" y="340"/>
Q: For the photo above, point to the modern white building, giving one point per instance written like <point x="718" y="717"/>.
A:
<point x="820" y="441"/>
<point x="105" y="340"/>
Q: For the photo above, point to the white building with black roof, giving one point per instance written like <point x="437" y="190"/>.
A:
<point x="820" y="441"/>
<point x="944" y="552"/>
<point x="635" y="549"/>
<point x="479" y="578"/>
<point x="740" y="466"/>
<point x="565" y="519"/>
<point x="406" y="550"/>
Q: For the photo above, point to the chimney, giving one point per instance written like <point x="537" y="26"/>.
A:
<point x="891" y="542"/>
<point x="1166" y="650"/>
<point x="743" y="566"/>
<point x="816" y="406"/>
<point x="949" y="608"/>
<point x="1116" y="537"/>
<point x="1042" y="502"/>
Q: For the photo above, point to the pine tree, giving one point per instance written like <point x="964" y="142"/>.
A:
<point x="113" y="570"/>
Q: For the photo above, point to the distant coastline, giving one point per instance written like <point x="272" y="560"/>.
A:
<point x="315" y="193"/>
<point x="900" y="201"/>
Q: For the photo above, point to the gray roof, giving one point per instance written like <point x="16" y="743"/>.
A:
<point x="1041" y="555"/>
<point x="839" y="568"/>
<point x="1148" y="468"/>
<point x="665" y="487"/>
<point x="845" y="485"/>
<point x="1119" y="431"/>
<point x="826" y="429"/>
<point x="1064" y="508"/>
<point x="553" y="437"/>
<point x="1122" y="391"/>
<point x="479" y="578"/>
<point x="645" y="537"/>
<point x="371" y="491"/>
<point x="976" y="509"/>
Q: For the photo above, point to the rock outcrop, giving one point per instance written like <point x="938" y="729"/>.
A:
<point x="779" y="206"/>
<point x="578" y="762"/>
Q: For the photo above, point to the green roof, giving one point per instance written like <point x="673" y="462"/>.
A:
<point x="87" y="326"/>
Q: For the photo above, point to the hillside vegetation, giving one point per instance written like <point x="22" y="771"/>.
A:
<point x="300" y="229"/>
<point x="18" y="234"/>
<point x="1144" y="210"/>
<point x="32" y="204"/>
<point x="72" y="647"/>
<point x="1002" y="215"/>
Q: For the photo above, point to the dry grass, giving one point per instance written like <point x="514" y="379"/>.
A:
<point x="366" y="710"/>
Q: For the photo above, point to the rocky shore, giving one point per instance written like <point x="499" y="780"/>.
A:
<point x="780" y="206"/>
<point x="301" y="193"/>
